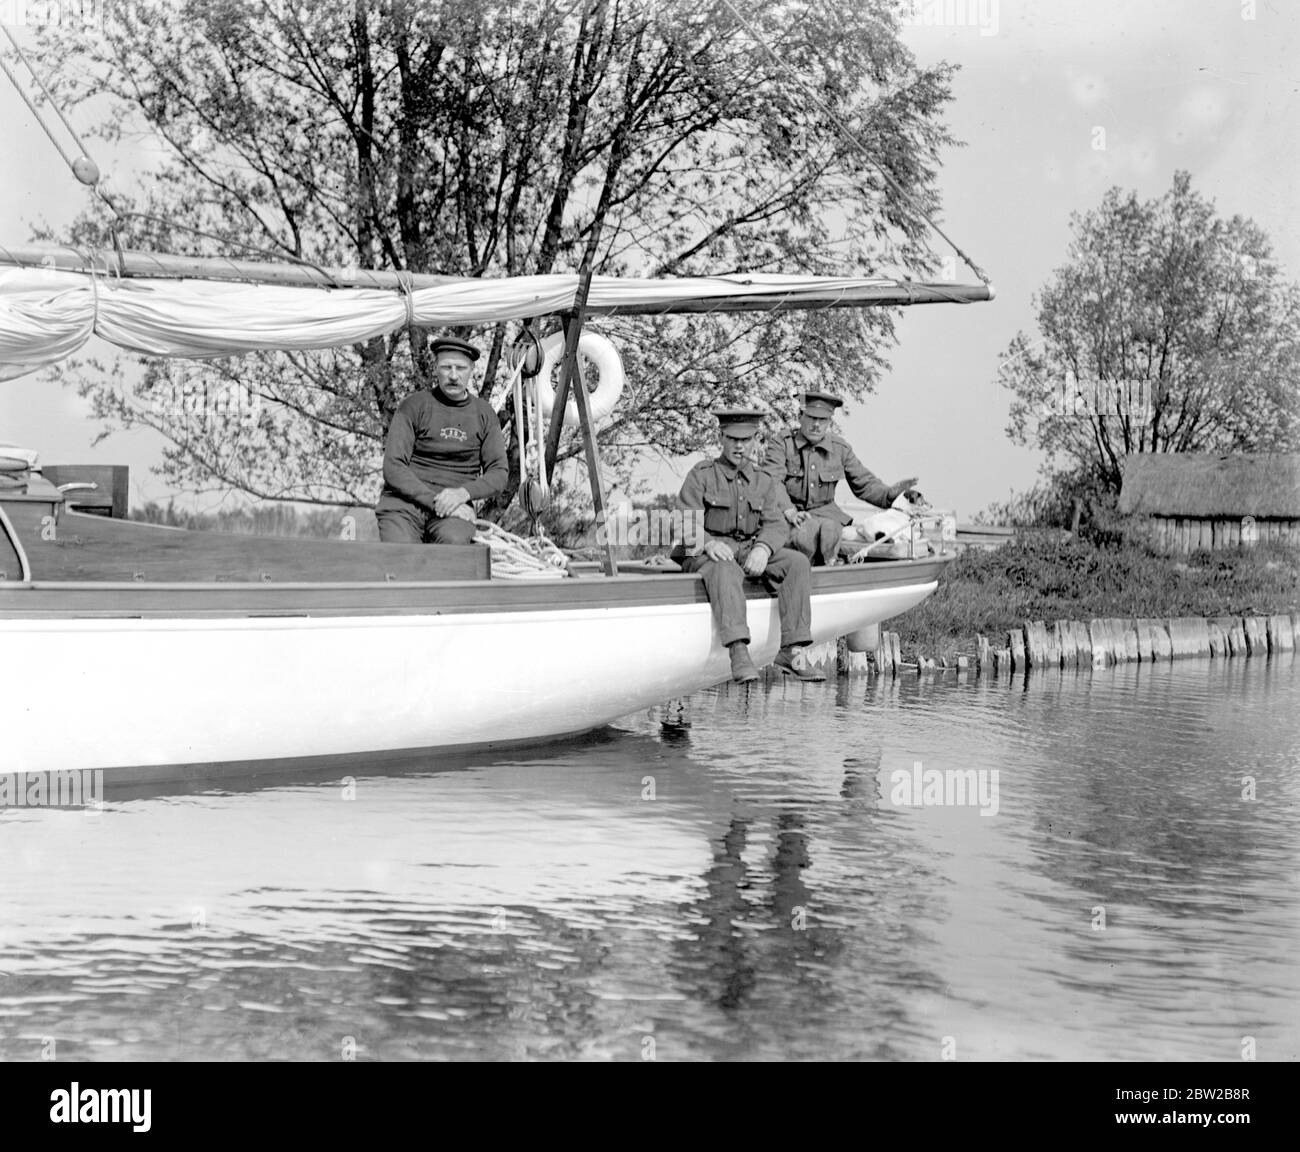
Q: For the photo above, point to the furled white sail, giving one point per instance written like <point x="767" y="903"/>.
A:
<point x="47" y="314"/>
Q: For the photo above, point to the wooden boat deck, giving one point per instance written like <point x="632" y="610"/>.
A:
<point x="86" y="547"/>
<point x="98" y="567"/>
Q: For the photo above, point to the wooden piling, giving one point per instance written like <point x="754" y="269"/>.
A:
<point x="1035" y="643"/>
<point x="847" y="661"/>
<point x="1178" y="638"/>
<point x="1142" y="630"/>
<point x="1115" y="630"/>
<point x="1218" y="641"/>
<point x="1055" y="646"/>
<point x="1200" y="634"/>
<point x="1082" y="642"/>
<point x="1103" y="642"/>
<point x="1175" y="638"/>
<point x="1162" y="646"/>
<point x="1128" y="638"/>
<point x="1280" y="634"/>
<point x="1099" y="635"/>
<point x="1063" y="638"/>
<point x="884" y="656"/>
<point x="1188" y="637"/>
<point x="1016" y="646"/>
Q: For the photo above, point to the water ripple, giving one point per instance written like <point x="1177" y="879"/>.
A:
<point x="764" y="885"/>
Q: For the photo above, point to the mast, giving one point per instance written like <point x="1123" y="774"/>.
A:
<point x="130" y="264"/>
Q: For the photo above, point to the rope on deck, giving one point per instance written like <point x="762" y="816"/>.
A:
<point x="521" y="557"/>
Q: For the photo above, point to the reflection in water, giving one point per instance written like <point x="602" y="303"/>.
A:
<point x="744" y="888"/>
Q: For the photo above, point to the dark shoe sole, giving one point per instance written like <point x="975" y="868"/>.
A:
<point x="808" y="676"/>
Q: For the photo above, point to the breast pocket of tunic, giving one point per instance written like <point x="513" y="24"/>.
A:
<point x="828" y="479"/>
<point x="719" y="514"/>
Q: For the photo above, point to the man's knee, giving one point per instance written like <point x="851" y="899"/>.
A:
<point x="828" y="539"/>
<point x="723" y="573"/>
<point x="803" y="538"/>
<point x="451" y="530"/>
<point x="788" y="561"/>
<point x="397" y="526"/>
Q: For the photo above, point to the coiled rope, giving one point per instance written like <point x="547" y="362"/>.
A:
<point x="519" y="557"/>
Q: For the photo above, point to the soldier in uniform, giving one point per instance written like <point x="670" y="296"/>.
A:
<point x="743" y="536"/>
<point x="444" y="449"/>
<point x="808" y="462"/>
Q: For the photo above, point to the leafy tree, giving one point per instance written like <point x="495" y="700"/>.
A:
<point x="501" y="138"/>
<point x="1170" y="329"/>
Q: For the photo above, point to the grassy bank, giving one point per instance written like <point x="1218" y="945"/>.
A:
<point x="989" y="593"/>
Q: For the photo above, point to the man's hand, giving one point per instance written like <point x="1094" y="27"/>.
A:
<point x="719" y="551"/>
<point x="796" y="516"/>
<point x="448" y="500"/>
<point x="756" y="561"/>
<point x="465" y="512"/>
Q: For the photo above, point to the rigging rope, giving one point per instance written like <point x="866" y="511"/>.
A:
<point x="530" y="433"/>
<point x="39" y="119"/>
<point x="853" y="139"/>
<point x="88" y="173"/>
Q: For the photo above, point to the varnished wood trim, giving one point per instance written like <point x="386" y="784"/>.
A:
<point x="207" y="600"/>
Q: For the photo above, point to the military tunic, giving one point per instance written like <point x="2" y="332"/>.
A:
<point x="808" y="475"/>
<point x="742" y="508"/>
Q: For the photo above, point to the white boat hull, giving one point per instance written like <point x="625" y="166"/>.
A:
<point x="140" y="697"/>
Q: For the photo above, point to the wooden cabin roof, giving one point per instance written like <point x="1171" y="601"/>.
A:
<point x="1204" y="485"/>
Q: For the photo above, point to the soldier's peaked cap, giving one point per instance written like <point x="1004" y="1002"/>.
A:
<point x="452" y="344"/>
<point x="818" y="403"/>
<point x="739" y="421"/>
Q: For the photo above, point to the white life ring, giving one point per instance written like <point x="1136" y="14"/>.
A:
<point x="601" y="352"/>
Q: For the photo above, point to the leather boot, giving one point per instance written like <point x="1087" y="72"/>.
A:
<point x="785" y="662"/>
<point x="742" y="667"/>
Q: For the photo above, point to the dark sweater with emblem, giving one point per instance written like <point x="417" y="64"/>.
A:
<point x="434" y="444"/>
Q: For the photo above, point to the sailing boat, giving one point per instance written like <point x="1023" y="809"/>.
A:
<point x="159" y="654"/>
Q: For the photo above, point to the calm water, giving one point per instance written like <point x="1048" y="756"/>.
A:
<point x="753" y="888"/>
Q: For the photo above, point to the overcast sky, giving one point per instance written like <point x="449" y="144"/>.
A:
<point x="1205" y="85"/>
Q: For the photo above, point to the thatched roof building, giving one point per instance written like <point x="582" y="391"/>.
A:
<point x="1202" y="500"/>
<point x="1206" y="486"/>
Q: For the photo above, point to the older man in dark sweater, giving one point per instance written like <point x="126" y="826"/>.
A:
<point x="444" y="449"/>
